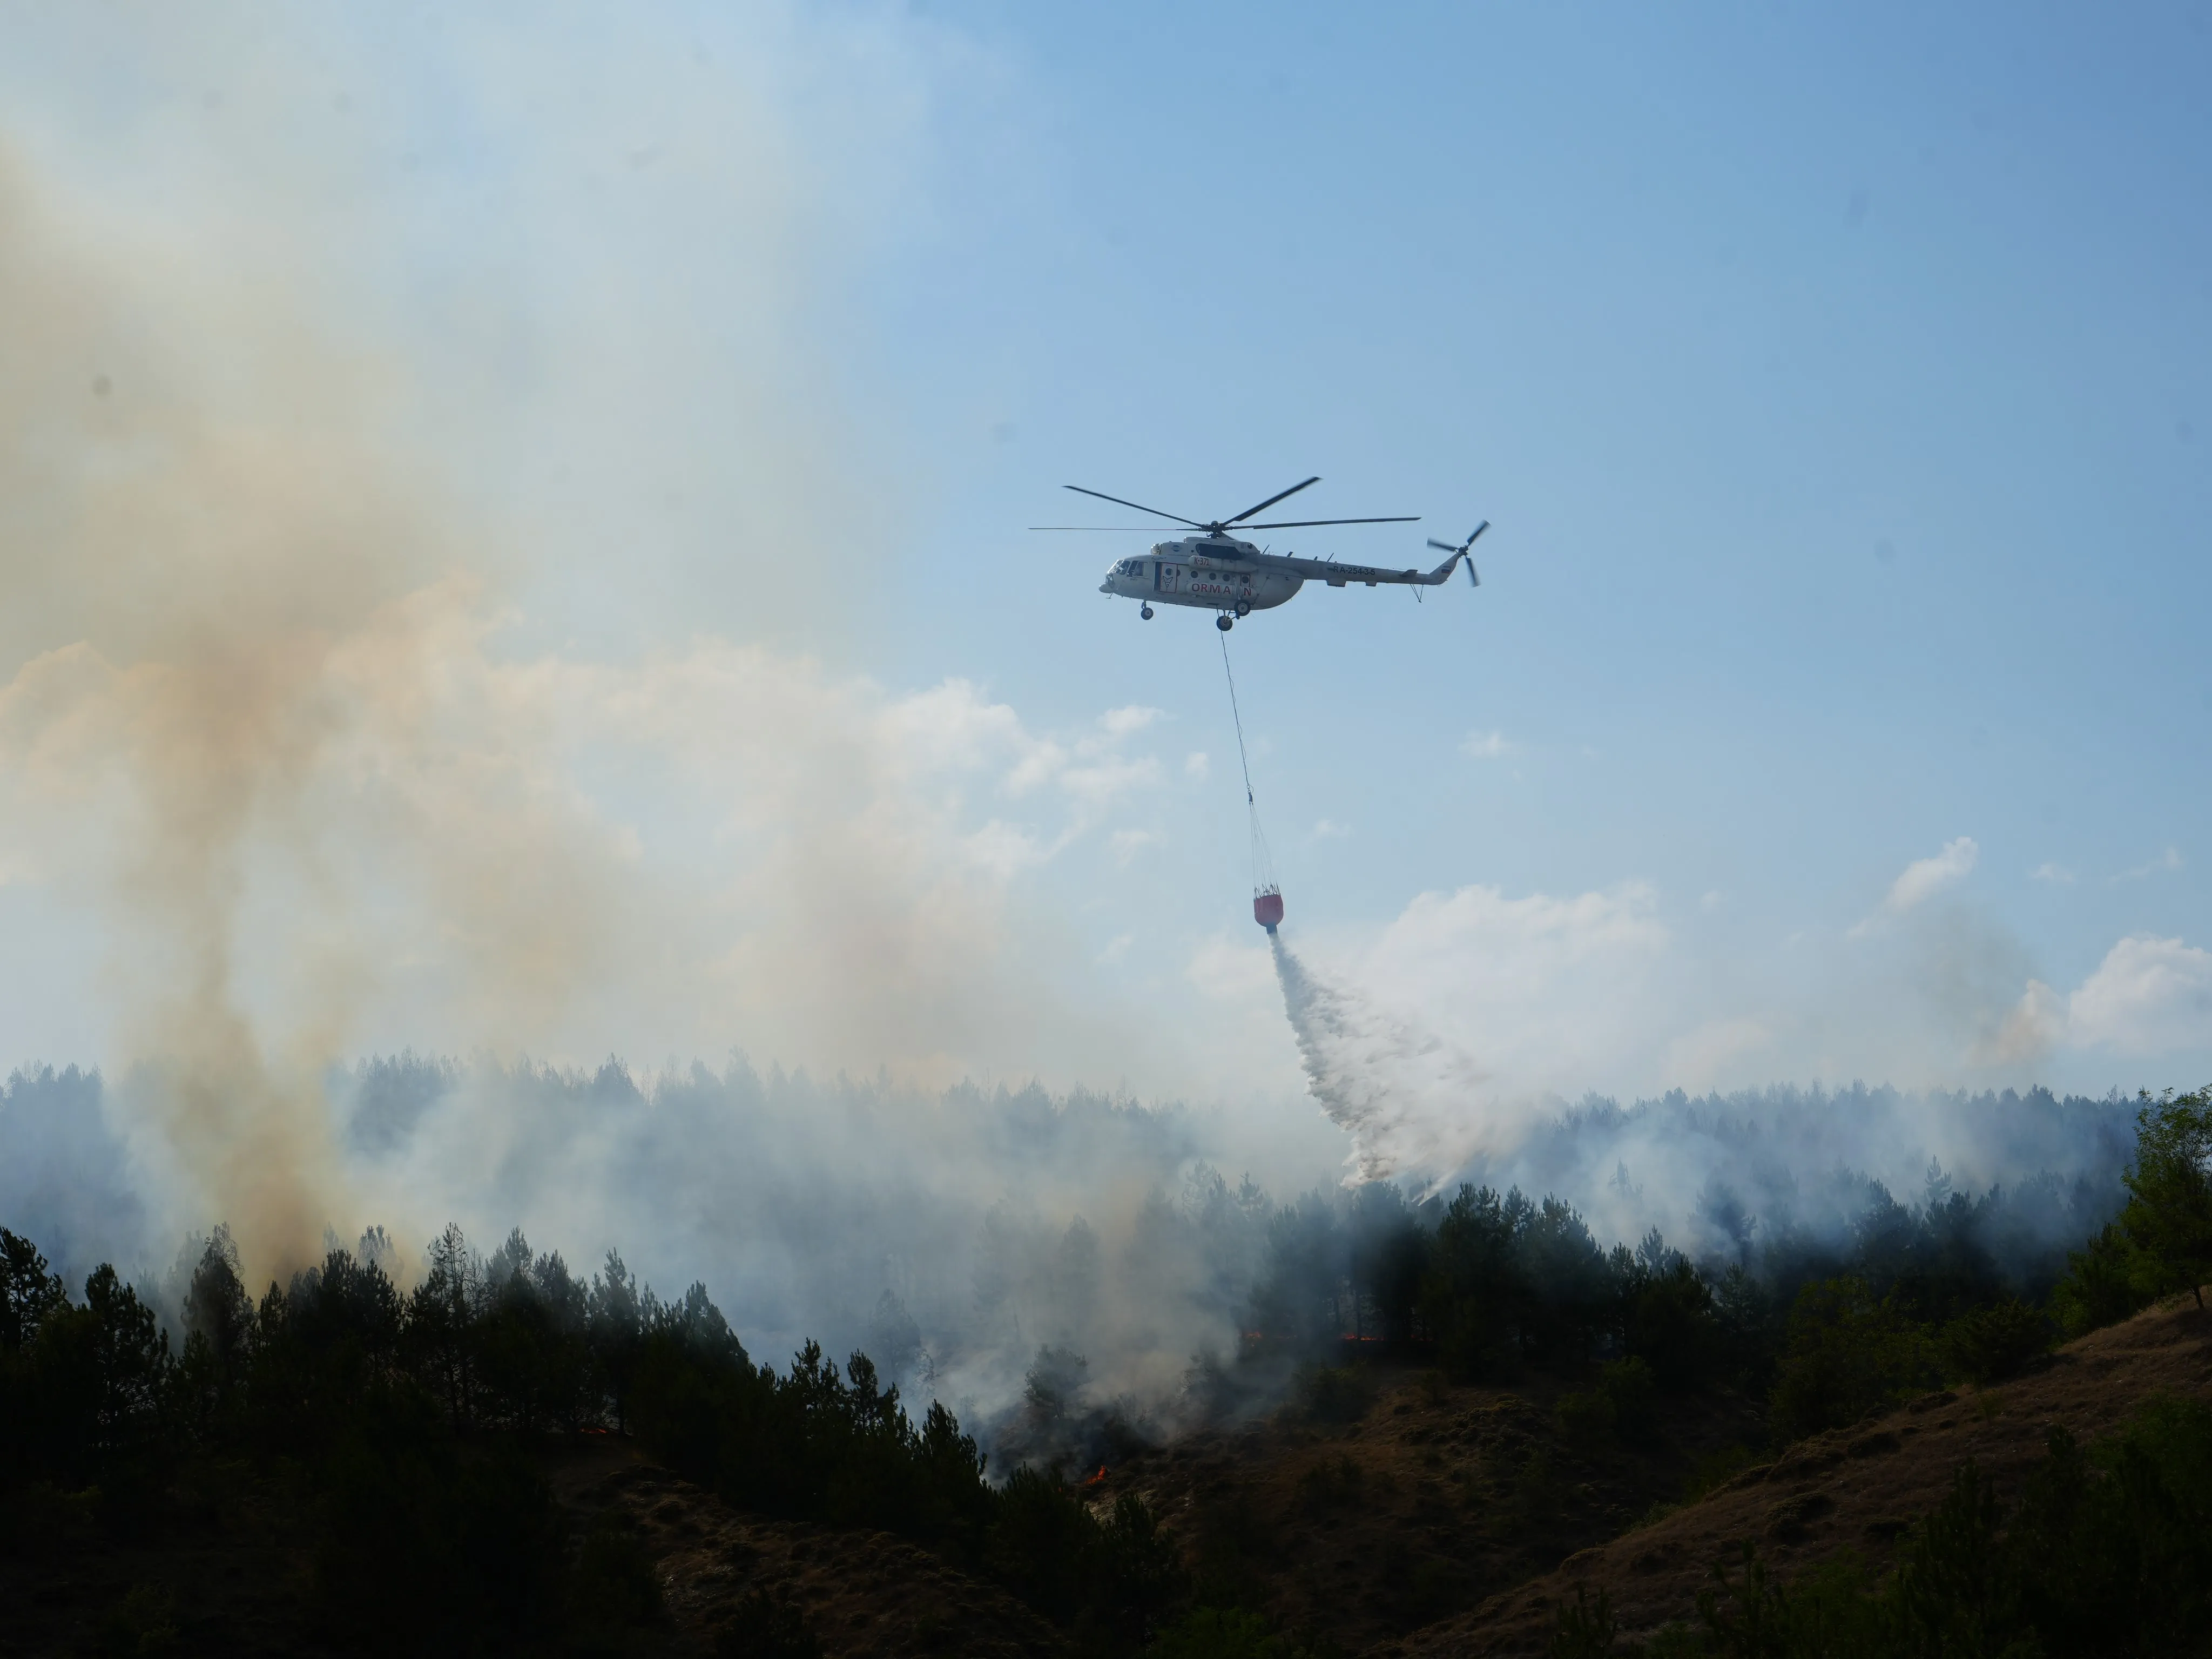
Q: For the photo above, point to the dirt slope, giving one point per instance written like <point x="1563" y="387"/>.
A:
<point x="1434" y="1499"/>
<point x="867" y="1595"/>
<point x="1855" y="1489"/>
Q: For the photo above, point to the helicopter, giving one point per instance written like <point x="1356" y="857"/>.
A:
<point x="1215" y="570"/>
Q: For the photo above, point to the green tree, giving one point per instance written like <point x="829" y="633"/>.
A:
<point x="2107" y="1281"/>
<point x="1848" y="1353"/>
<point x="219" y="1334"/>
<point x="1477" y="1296"/>
<point x="28" y="1292"/>
<point x="2169" y="1212"/>
<point x="614" y="1318"/>
<point x="1667" y="1317"/>
<point x="95" y="1384"/>
<point x="440" y="1312"/>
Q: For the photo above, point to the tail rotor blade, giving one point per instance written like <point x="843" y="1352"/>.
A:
<point x="1441" y="547"/>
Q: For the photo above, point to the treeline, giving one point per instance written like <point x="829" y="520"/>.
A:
<point x="414" y="1416"/>
<point x="1824" y="1329"/>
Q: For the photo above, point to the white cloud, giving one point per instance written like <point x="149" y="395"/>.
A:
<point x="2057" y="874"/>
<point x="2148" y="996"/>
<point x="1548" y="991"/>
<point x="1093" y="769"/>
<point x="1330" y="829"/>
<point x="1126" y="844"/>
<point x="1196" y="765"/>
<point x="1923" y="879"/>
<point x="2169" y="859"/>
<point x="1122" y="722"/>
<point x="1488" y="745"/>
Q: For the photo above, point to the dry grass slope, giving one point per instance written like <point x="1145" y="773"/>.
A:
<point x="1851" y="1490"/>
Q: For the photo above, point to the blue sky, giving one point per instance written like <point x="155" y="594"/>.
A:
<point x="1833" y="382"/>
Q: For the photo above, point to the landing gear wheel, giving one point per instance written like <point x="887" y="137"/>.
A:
<point x="1243" y="607"/>
<point x="1145" y="611"/>
<point x="1224" y="623"/>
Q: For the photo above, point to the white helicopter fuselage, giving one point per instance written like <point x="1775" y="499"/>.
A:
<point x="1219" y="572"/>
<point x="1204" y="572"/>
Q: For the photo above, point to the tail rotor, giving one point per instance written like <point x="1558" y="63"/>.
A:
<point x="1472" y="580"/>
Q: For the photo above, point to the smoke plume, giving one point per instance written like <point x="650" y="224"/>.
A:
<point x="400" y="637"/>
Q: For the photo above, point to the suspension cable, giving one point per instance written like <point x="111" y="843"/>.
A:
<point x="1244" y="764"/>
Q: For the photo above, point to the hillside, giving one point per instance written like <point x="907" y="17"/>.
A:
<point x="867" y="1595"/>
<point x="1435" y="1497"/>
<point x="1442" y="1520"/>
<point x="1854" y="1490"/>
<point x="1437" y="1521"/>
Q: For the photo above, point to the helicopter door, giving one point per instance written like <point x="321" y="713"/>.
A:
<point x="1166" y="578"/>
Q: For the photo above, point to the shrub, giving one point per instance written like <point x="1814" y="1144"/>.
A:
<point x="1715" y="1470"/>
<point x="1585" y="1417"/>
<point x="766" y="1627"/>
<point x="1330" y="1485"/>
<point x="1116" y="1574"/>
<point x="2106" y="1281"/>
<point x="144" y="1623"/>
<point x="1584" y="1630"/>
<point x="1537" y="1492"/>
<point x="1633" y="1392"/>
<point x="1226" y="1633"/>
<point x="613" y="1585"/>
<point x="1847" y="1354"/>
<point x="1623" y="1407"/>
<point x="1334" y="1394"/>
<point x="1991" y="1344"/>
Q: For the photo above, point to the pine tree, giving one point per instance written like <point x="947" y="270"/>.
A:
<point x="2169" y="1213"/>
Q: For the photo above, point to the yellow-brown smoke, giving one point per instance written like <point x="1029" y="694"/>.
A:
<point x="277" y="715"/>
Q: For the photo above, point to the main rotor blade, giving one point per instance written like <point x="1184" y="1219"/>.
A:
<point x="1302" y="523"/>
<point x="1115" y="529"/>
<point x="1135" y="506"/>
<point x="1270" y="501"/>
